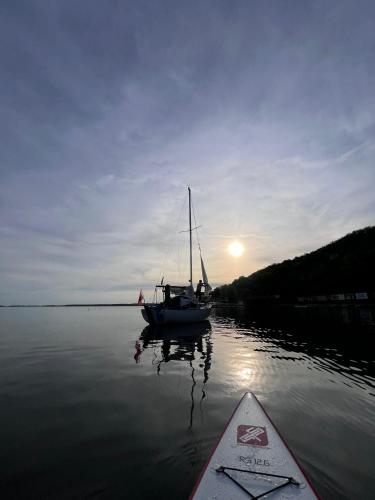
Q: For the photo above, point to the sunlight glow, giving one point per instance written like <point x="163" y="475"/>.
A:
<point x="245" y="374"/>
<point x="236" y="249"/>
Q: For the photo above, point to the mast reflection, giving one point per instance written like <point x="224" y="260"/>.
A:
<point x="182" y="343"/>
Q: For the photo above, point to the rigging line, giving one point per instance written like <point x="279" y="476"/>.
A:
<point x="168" y="251"/>
<point x="188" y="230"/>
<point x="196" y="229"/>
<point x="178" y="263"/>
<point x="177" y="241"/>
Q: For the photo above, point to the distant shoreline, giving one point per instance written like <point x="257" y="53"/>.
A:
<point x="71" y="305"/>
<point x="248" y="304"/>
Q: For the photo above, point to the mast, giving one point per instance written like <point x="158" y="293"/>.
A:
<point x="191" y="252"/>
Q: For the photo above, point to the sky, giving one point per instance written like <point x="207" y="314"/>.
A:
<point x="110" y="109"/>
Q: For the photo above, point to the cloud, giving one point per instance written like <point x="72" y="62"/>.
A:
<point x="110" y="111"/>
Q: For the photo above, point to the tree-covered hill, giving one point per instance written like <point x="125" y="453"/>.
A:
<point x="344" y="266"/>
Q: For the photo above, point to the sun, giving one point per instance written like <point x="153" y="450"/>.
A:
<point x="236" y="249"/>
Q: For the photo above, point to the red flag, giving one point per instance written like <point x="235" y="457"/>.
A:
<point x="141" y="298"/>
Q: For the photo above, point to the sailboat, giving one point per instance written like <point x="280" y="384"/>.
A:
<point x="180" y="304"/>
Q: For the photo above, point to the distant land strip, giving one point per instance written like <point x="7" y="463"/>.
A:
<point x="70" y="305"/>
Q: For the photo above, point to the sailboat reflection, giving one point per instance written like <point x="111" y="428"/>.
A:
<point x="138" y="351"/>
<point x="185" y="342"/>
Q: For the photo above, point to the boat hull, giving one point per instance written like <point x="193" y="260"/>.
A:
<point x="158" y="315"/>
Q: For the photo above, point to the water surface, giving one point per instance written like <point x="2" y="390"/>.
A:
<point x="95" y="404"/>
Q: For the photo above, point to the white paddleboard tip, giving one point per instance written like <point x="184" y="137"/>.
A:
<point x="252" y="459"/>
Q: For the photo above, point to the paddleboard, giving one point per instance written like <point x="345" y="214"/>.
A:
<point x="251" y="460"/>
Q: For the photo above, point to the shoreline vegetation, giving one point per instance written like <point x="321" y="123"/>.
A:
<point x="341" y="272"/>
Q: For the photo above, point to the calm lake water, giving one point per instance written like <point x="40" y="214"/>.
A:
<point x="94" y="404"/>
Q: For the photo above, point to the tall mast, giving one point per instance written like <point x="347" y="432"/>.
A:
<point x="191" y="252"/>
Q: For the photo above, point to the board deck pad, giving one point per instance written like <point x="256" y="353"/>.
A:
<point x="251" y="460"/>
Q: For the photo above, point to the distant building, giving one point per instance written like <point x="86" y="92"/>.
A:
<point x="338" y="296"/>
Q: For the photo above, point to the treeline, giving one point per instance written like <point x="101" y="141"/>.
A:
<point x="344" y="266"/>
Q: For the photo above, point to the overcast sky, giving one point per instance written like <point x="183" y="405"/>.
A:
<point x="109" y="109"/>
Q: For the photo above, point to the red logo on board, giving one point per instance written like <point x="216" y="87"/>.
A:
<point x="252" y="435"/>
